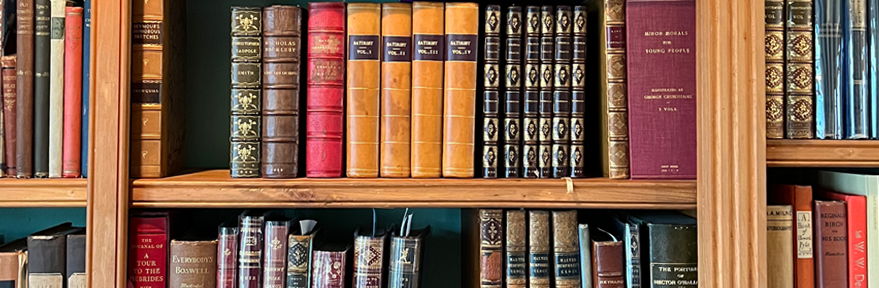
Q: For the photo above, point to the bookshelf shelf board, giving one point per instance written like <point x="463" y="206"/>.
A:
<point x="214" y="188"/>
<point x="43" y="192"/>
<point x="822" y="153"/>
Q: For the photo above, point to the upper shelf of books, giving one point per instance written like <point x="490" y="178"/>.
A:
<point x="822" y="153"/>
<point x="43" y="192"/>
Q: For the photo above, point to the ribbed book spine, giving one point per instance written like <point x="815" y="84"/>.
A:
<point x="491" y="247"/>
<point x="828" y="70"/>
<point x="561" y="94"/>
<point x="801" y="72"/>
<point x="396" y="87"/>
<point x="56" y="87"/>
<point x="275" y="254"/>
<point x="516" y="261"/>
<point x="614" y="103"/>
<point x="774" y="19"/>
<point x="299" y="260"/>
<point x="86" y="77"/>
<point x="578" y="93"/>
<point x="428" y="19"/>
<point x="547" y="53"/>
<point x="42" y="53"/>
<point x="369" y="255"/>
<point x="326" y="89"/>
<point x="512" y="105"/>
<point x="9" y="112"/>
<point x="363" y="87"/>
<point x="246" y="95"/>
<point x="250" y="251"/>
<point x="227" y="257"/>
<point x="24" y="114"/>
<point x="530" y="114"/>
<point x="72" y="93"/>
<point x="459" y="86"/>
<point x="490" y="94"/>
<point x="539" y="267"/>
<point x="857" y="88"/>
<point x="566" y="247"/>
<point x="633" y="255"/>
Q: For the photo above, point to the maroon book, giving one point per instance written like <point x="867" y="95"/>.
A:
<point x="148" y="250"/>
<point x="227" y="255"/>
<point x="326" y="89"/>
<point x="250" y="249"/>
<point x="661" y="36"/>
<point x="275" y="251"/>
<point x="328" y="268"/>
<point x="831" y="260"/>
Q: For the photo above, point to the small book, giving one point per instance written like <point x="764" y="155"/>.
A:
<point x="13" y="263"/>
<point x="299" y="251"/>
<point x="76" y="277"/>
<point x="250" y="249"/>
<point x="363" y="87"/>
<point x="484" y="247"/>
<point x="566" y="246"/>
<point x="193" y="261"/>
<point x="608" y="267"/>
<point x="490" y="95"/>
<point x="330" y="264"/>
<point x="406" y="257"/>
<point x="369" y="258"/>
<point x="459" y="86"/>
<point x="227" y="254"/>
<point x="274" y="260"/>
<point x="246" y="95"/>
<point x="47" y="256"/>
<point x="779" y="252"/>
<point x="831" y="264"/>
<point x="539" y="231"/>
<point x="516" y="248"/>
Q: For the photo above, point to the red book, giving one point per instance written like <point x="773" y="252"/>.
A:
<point x="329" y="266"/>
<point x="326" y="89"/>
<point x="856" y="210"/>
<point x="800" y="197"/>
<point x="72" y="144"/>
<point x="661" y="63"/>
<point x="148" y="250"/>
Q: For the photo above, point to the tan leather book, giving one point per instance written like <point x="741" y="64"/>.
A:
<point x="459" y="85"/>
<point x="612" y="82"/>
<point x="193" y="264"/>
<point x="363" y="84"/>
<point x="774" y="39"/>
<point x="396" y="88"/>
<point x="780" y="252"/>
<point x="427" y="89"/>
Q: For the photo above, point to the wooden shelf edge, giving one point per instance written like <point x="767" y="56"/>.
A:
<point x="390" y="205"/>
<point x="822" y="153"/>
<point x="46" y="193"/>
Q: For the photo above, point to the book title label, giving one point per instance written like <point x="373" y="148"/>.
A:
<point x="674" y="275"/>
<point x="460" y="47"/>
<point x="804" y="234"/>
<point x="429" y="47"/>
<point x="363" y="47"/>
<point x="397" y="49"/>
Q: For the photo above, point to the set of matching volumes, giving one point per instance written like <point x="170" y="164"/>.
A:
<point x="45" y="88"/>
<point x="535" y="248"/>
<point x="54" y="257"/>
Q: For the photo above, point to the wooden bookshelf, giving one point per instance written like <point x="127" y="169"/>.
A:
<point x="43" y="192"/>
<point x="822" y="153"/>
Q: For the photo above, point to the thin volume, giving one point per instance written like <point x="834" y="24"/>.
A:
<point x="3" y="148"/>
<point x="774" y="19"/>
<point x="490" y="95"/>
<point x="459" y="85"/>
<point x="578" y="93"/>
<point x="396" y="86"/>
<point x="828" y="70"/>
<point x="857" y="97"/>
<point x="42" y="52"/>
<point x="566" y="256"/>
<point x="299" y="263"/>
<point x="275" y="253"/>
<point x="326" y="89"/>
<point x="56" y="94"/>
<point x="428" y="20"/>
<point x="873" y="68"/>
<point x="282" y="27"/>
<point x="561" y="93"/>
<point x="250" y="250"/>
<point x="547" y="30"/>
<point x="406" y="257"/>
<point x="612" y="83"/>
<point x="227" y="255"/>
<point x="516" y="265"/>
<point x="531" y="108"/>
<point x="71" y="163"/>
<point x="539" y="267"/>
<point x="363" y="89"/>
<point x="86" y="77"/>
<point x="512" y="108"/>
<point x="24" y="119"/>
<point x="246" y="95"/>
<point x="801" y="72"/>
<point x="9" y="112"/>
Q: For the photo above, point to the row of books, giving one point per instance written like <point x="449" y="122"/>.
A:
<point x="54" y="257"/>
<point x="401" y="91"/>
<point x="45" y="76"/>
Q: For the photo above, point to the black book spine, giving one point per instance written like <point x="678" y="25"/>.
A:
<point x="513" y="94"/>
<point x="246" y="95"/>
<point x="561" y="98"/>
<point x="547" y="29"/>
<point x="531" y="116"/>
<point x="42" y="44"/>
<point x="672" y="255"/>
<point x="578" y="93"/>
<point x="490" y="94"/>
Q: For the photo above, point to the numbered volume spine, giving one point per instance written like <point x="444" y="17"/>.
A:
<point x="512" y="113"/>
<point x="516" y="266"/>
<point x="282" y="47"/>
<point x="774" y="46"/>
<point x="459" y="86"/>
<point x="427" y="88"/>
<point x="490" y="94"/>
<point x="396" y="87"/>
<point x="578" y="93"/>
<point x="561" y="98"/>
<point x="246" y="95"/>
<point x="363" y="86"/>
<point x="800" y="71"/>
<point x="531" y="78"/>
<point x="547" y="53"/>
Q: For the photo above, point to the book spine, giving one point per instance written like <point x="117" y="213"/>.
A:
<point x="55" y="79"/>
<point x="3" y="148"/>
<point x="873" y="68"/>
<point x="46" y="260"/>
<point x="405" y="266"/>
<point x="369" y="261"/>
<point x="86" y="78"/>
<point x="831" y="266"/>
<point x="428" y="20"/>
<point x="250" y="248"/>
<point x="193" y="263"/>
<point x="856" y="221"/>
<point x="608" y="263"/>
<point x="538" y="249"/>
<point x="531" y="112"/>
<point x="364" y="89"/>
<point x="72" y="93"/>
<point x="396" y="89"/>
<point x="459" y="86"/>
<point x="633" y="255"/>
<point x="547" y="30"/>
<point x="774" y="39"/>
<point x="227" y="254"/>
<point x="24" y="85"/>
<point x="561" y="94"/>
<point x="672" y="255"/>
<point x="801" y="73"/>
<point x="9" y="112"/>
<point x="578" y="93"/>
<point x="326" y="87"/>
<point x="566" y="250"/>
<point x="490" y="247"/>
<point x="614" y="104"/>
<point x="148" y="252"/>
<point x="857" y="90"/>
<point x="280" y="91"/>
<point x="299" y="261"/>
<point x="329" y="269"/>
<point x="275" y="247"/>
<point x="803" y="241"/>
<point x="76" y="276"/>
<point x="585" y="255"/>
<point x="828" y="70"/>
<point x="779" y="231"/>
<point x="246" y="93"/>
<point x="42" y="49"/>
<point x="516" y="264"/>
<point x="512" y="112"/>
<point x="490" y="94"/>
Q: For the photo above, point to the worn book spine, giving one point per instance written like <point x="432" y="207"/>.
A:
<point x="71" y="163"/>
<point x="608" y="264"/>
<point x="364" y="89"/>
<point x="76" y="276"/>
<point x="512" y="107"/>
<point x="490" y="94"/>
<point x="246" y="95"/>
<point x="24" y="85"/>
<point x="42" y="49"/>
<point x="531" y="130"/>
<point x="800" y="70"/>
<point x="547" y="54"/>
<point x="829" y="71"/>
<point x="539" y="249"/>
<point x="396" y="89"/>
<point x="858" y="247"/>
<point x="329" y="269"/>
<point x="326" y="87"/>
<point x="566" y="247"/>
<point x="275" y="253"/>
<point x="857" y="95"/>
<point x="227" y="256"/>
<point x="516" y="265"/>
<point x="428" y="19"/>
<point x="779" y="252"/>
<point x="47" y="257"/>
<point x="9" y="112"/>
<point x="56" y="75"/>
<point x="632" y="246"/>
<point x="488" y="232"/>
<point x="561" y="93"/>
<point x="250" y="251"/>
<point x="831" y="266"/>
<point x="282" y="27"/>
<point x="459" y="86"/>
<point x="404" y="270"/>
<point x="774" y="19"/>
<point x="193" y="264"/>
<point x="299" y="260"/>
<point x="86" y="77"/>
<point x="578" y="93"/>
<point x="369" y="264"/>
<point x="13" y="266"/>
<point x="148" y="251"/>
<point x="612" y="84"/>
<point x="585" y="255"/>
<point x="672" y="255"/>
<point x="3" y="148"/>
<point x="800" y="197"/>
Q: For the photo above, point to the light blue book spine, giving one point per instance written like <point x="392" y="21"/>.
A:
<point x="633" y="256"/>
<point x="857" y="100"/>
<point x="86" y="45"/>
<point x="585" y="257"/>
<point x="828" y="69"/>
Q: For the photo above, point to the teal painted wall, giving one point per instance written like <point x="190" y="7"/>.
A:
<point x="20" y="222"/>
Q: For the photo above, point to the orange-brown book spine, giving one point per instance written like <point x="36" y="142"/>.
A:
<point x="396" y="88"/>
<point x="428" y="51"/>
<point x="459" y="85"/>
<point x="800" y="197"/>
<point x="363" y="84"/>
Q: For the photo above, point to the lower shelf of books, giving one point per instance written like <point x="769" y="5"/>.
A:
<point x="43" y="192"/>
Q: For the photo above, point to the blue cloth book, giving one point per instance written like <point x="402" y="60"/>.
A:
<point x="829" y="70"/>
<point x="857" y="96"/>
<point x="86" y="41"/>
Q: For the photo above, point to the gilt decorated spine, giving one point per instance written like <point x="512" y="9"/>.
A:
<point x="428" y="19"/>
<point x="566" y="248"/>
<point x="363" y="87"/>
<point x="9" y="112"/>
<point x="330" y="266"/>
<point x="800" y="70"/>
<point x="516" y="275"/>
<point x="227" y="256"/>
<point x="275" y="254"/>
<point x="369" y="260"/>
<point x="612" y="85"/>
<point x="246" y="95"/>
<point x="547" y="53"/>
<point x="148" y="250"/>
<point x="490" y="247"/>
<point x="490" y="94"/>
<point x="326" y="89"/>
<point x="299" y="260"/>
<point x="539" y="249"/>
<point x="774" y="19"/>
<point x="250" y="250"/>
<point x="396" y="97"/>
<point x="459" y="86"/>
<point x="531" y="108"/>
<point x="70" y="160"/>
<point x="42" y="53"/>
<point x="193" y="263"/>
<point x="561" y="94"/>
<point x="56" y="93"/>
<point x="24" y="85"/>
<point x="512" y="107"/>
<point x="404" y="270"/>
<point x="578" y="93"/>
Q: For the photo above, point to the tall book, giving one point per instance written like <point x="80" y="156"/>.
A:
<point x="662" y="106"/>
<point x="193" y="262"/>
<point x="779" y="252"/>
<point x="47" y="256"/>
<point x="800" y="90"/>
<point x="561" y="93"/>
<point x="800" y="197"/>
<point x="148" y="249"/>
<point x="86" y="78"/>
<point x="865" y="185"/>
<point x="9" y="112"/>
<point x="2" y="111"/>
<point x="578" y="93"/>
<point x="531" y="130"/>
<point x="873" y="68"/>
<point x="299" y="251"/>
<point x="459" y="86"/>
<point x="858" y="247"/>
<point x="396" y="89"/>
<point x="369" y="258"/>
<point x="330" y="265"/>
<point x="76" y="277"/>
<point x="829" y="71"/>
<point x="13" y="262"/>
<point x="24" y="93"/>
<point x="363" y="89"/>
<point x="484" y="231"/>
<point x="55" y="76"/>
<point x="250" y="249"/>
<point x="608" y="267"/>
<point x="428" y="19"/>
<point x="857" y="94"/>
<point x="611" y="80"/>
<point x="585" y="255"/>
<point x="274" y="260"/>
<point x="246" y="95"/>
<point x="42" y="52"/>
<point x="774" y="47"/>
<point x="831" y="265"/>
<point x="539" y="249"/>
<point x="70" y="160"/>
<point x="282" y="27"/>
<point x="227" y="254"/>
<point x="516" y="265"/>
<point x="512" y="108"/>
<point x="669" y="239"/>
<point x="406" y="257"/>
<point x="547" y="30"/>
<point x="566" y="246"/>
<point x="326" y="87"/>
<point x="490" y="95"/>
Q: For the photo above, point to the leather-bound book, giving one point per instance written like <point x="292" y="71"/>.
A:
<point x="24" y="93"/>
<point x="856" y="221"/>
<point x="193" y="263"/>
<point x="47" y="256"/>
<point x="13" y="262"/>
<point x="578" y="93"/>
<point x="547" y="30"/>
<point x="662" y="131"/>
<point x="86" y="77"/>
<point x="2" y="112"/>
<point x="427" y="88"/>
<point x="539" y="267"/>
<point x="516" y="262"/>
<point x="459" y="86"/>
<point x="9" y="112"/>
<point x="406" y="254"/>
<point x="779" y="252"/>
<point x="274" y="260"/>
<point x="800" y="75"/>
<point x="72" y="150"/>
<point x="585" y="255"/>
<point x="531" y="108"/>
<point x="326" y="75"/>
<point x="369" y="258"/>
<point x="856" y="87"/>
<point x="158" y="87"/>
<point x="282" y="27"/>
<point x="330" y="264"/>
<point x="246" y="95"/>
<point x="363" y="87"/>
<point x="57" y="73"/>
<point x="250" y="249"/>
<point x="148" y="249"/>
<point x="76" y="277"/>
<point x="566" y="248"/>
<point x="671" y="248"/>
<point x="227" y="254"/>
<point x="299" y="246"/>
<point x="490" y="95"/>
<point x="831" y="263"/>
<point x="484" y="229"/>
<point x="800" y="197"/>
<point x="42" y="50"/>
<point x="512" y="108"/>
<point x="396" y="89"/>
<point x="774" y="19"/>
<point x="561" y="93"/>
<point x="611" y="80"/>
<point x="607" y="260"/>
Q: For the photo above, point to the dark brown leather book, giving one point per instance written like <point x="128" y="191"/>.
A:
<point x="561" y="93"/>
<point x="280" y="91"/>
<point x="250" y="249"/>
<point x="566" y="249"/>
<point x="406" y="255"/>
<point x="539" y="249"/>
<point x="531" y="108"/>
<point x="274" y="261"/>
<point x="9" y="111"/>
<point x="578" y="93"/>
<point x="831" y="265"/>
<point x="47" y="256"/>
<point x="516" y="248"/>
<point x="24" y="118"/>
<point x="369" y="258"/>
<point x="76" y="277"/>
<point x="193" y="263"/>
<point x="607" y="260"/>
<point x="483" y="229"/>
<point x="227" y="254"/>
<point x="13" y="263"/>
<point x="246" y="94"/>
<point x="774" y="38"/>
<point x="512" y="108"/>
<point x="490" y="95"/>
<point x="547" y="30"/>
